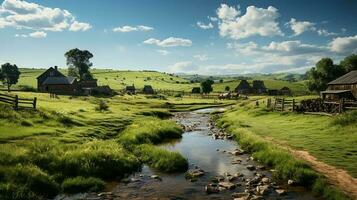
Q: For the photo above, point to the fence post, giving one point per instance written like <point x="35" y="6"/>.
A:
<point x="34" y="102"/>
<point x="293" y="105"/>
<point x="274" y="103"/>
<point x="282" y="105"/>
<point x="16" y="102"/>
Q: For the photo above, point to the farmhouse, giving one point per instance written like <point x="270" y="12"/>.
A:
<point x="285" y="91"/>
<point x="130" y="89"/>
<point x="243" y="87"/>
<point x="344" y="87"/>
<point x="53" y="81"/>
<point x="196" y="90"/>
<point x="148" y="89"/>
<point x="259" y="87"/>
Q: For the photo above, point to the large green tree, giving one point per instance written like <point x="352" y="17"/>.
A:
<point x="79" y="64"/>
<point x="9" y="75"/>
<point x="349" y="63"/>
<point x="207" y="86"/>
<point x="324" y="72"/>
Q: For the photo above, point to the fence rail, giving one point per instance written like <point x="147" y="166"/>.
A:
<point x="17" y="102"/>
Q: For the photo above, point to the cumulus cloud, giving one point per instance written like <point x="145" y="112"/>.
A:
<point x="344" y="45"/>
<point x="184" y="66"/>
<point x="125" y="29"/>
<point x="163" y="52"/>
<point x="256" y="21"/>
<point x="169" y="42"/>
<point x="79" y="26"/>
<point x="205" y="26"/>
<point x="24" y="15"/>
<point x="36" y="34"/>
<point x="300" y="27"/>
<point x="201" y="57"/>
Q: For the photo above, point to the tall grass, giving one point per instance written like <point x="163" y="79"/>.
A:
<point x="161" y="159"/>
<point x="150" y="130"/>
<point x="81" y="184"/>
<point x="346" y="119"/>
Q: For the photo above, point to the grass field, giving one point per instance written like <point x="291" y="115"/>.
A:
<point x="61" y="146"/>
<point x="332" y="140"/>
<point x="119" y="79"/>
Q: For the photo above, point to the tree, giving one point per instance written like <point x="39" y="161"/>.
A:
<point x="349" y="63"/>
<point x="207" y="86"/>
<point x="9" y="75"/>
<point x="324" y="72"/>
<point x="221" y="80"/>
<point x="227" y="88"/>
<point x="79" y="64"/>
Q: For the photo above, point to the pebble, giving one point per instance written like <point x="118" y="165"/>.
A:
<point x="251" y="167"/>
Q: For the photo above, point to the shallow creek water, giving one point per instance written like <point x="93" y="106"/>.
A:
<point x="202" y="151"/>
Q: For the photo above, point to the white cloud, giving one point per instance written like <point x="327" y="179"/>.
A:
<point x="344" y="45"/>
<point x="23" y="15"/>
<point x="169" y="42"/>
<point x="184" y="66"/>
<point x="201" y="57"/>
<point x="213" y="19"/>
<point x="324" y="32"/>
<point x="300" y="26"/>
<point x="36" y="34"/>
<point x="79" y="26"/>
<point x="294" y="47"/>
<point x="163" y="52"/>
<point x="205" y="26"/>
<point x="125" y="29"/>
<point x="256" y="21"/>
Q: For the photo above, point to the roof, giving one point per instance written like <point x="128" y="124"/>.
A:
<point x="243" y="85"/>
<point x="59" y="80"/>
<point x="130" y="87"/>
<point x="335" y="91"/>
<point x="285" y="88"/>
<point x="349" y="78"/>
<point x="50" y="69"/>
<point x="147" y="87"/>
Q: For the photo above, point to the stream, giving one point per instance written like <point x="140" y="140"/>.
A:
<point x="204" y="153"/>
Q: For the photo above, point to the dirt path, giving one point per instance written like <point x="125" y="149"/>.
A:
<point x="336" y="176"/>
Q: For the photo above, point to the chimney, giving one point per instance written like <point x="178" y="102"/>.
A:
<point x="56" y="68"/>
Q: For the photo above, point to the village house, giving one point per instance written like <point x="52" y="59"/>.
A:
<point x="130" y="89"/>
<point x="259" y="87"/>
<point x="285" y="91"/>
<point x="148" y="89"/>
<point x="243" y="87"/>
<point x="344" y="87"/>
<point x="196" y="90"/>
<point x="53" y="81"/>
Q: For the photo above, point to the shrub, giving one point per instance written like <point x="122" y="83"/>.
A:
<point x="102" y="106"/>
<point x="161" y="159"/>
<point x="26" y="123"/>
<point x="346" y="119"/>
<point x="156" y="113"/>
<point x="81" y="184"/>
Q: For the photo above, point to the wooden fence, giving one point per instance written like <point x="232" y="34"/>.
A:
<point x="282" y="104"/>
<point x="17" y="102"/>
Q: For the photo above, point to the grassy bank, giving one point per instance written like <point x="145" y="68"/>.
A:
<point x="69" y="146"/>
<point x="259" y="131"/>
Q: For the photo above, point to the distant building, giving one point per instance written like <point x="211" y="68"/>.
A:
<point x="130" y="89"/>
<point x="285" y="91"/>
<point x="53" y="81"/>
<point x="259" y="87"/>
<point x="148" y="89"/>
<point x="196" y="90"/>
<point x="344" y="87"/>
<point x="243" y="87"/>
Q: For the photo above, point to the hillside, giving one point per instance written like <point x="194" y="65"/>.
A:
<point x="117" y="80"/>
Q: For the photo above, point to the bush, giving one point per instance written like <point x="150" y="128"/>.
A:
<point x="102" y="106"/>
<point x="346" y="118"/>
<point x="81" y="184"/>
<point x="162" y="114"/>
<point x="161" y="159"/>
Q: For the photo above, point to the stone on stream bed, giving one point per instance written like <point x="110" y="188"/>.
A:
<point x="193" y="174"/>
<point x="227" y="185"/>
<point x="212" y="188"/>
<point x="280" y="192"/>
<point x="251" y="167"/>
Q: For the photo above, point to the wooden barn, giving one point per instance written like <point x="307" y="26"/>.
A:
<point x="148" y="89"/>
<point x="243" y="87"/>
<point x="285" y="91"/>
<point x="53" y="81"/>
<point x="344" y="87"/>
<point x="259" y="87"/>
<point x="130" y="89"/>
<point x="196" y="90"/>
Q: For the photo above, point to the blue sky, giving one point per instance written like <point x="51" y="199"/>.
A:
<point x="205" y="37"/>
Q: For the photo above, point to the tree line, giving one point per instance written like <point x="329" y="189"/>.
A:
<point x="326" y="71"/>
